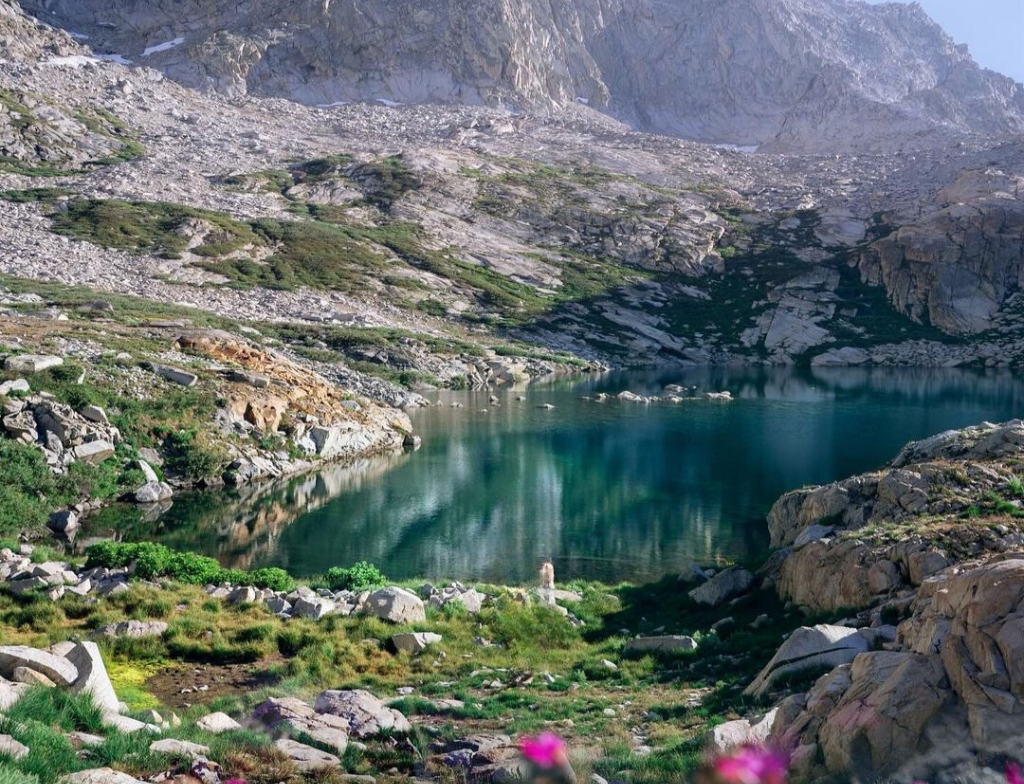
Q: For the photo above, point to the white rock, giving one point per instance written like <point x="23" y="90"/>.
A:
<point x="675" y="642"/>
<point x="183" y="747"/>
<point x="807" y="647"/>
<point x="396" y="605"/>
<point x="99" y="776"/>
<point x="61" y="671"/>
<point x="414" y="642"/>
<point x="9" y="747"/>
<point x="218" y="723"/>
<point x="92" y="676"/>
<point x="32" y="363"/>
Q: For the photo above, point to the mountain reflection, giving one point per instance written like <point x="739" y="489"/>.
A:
<point x="611" y="490"/>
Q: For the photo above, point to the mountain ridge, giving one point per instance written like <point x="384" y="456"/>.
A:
<point x="795" y="75"/>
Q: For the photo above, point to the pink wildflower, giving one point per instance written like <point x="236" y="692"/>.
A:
<point x="752" y="765"/>
<point x="1013" y="774"/>
<point x="547" y="750"/>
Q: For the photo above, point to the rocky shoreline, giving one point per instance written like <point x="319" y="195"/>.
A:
<point x="924" y="561"/>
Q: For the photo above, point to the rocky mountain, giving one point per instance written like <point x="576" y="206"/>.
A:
<point x="454" y="244"/>
<point x="795" y="75"/>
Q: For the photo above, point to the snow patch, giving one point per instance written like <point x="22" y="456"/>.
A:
<point x="112" y="58"/>
<point x="162" y="47"/>
<point x="582" y="100"/>
<point x="79" y="36"/>
<point x="331" y="105"/>
<point x="73" y="61"/>
<point x="388" y="102"/>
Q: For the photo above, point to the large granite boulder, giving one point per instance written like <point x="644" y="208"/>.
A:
<point x="807" y="648"/>
<point x="723" y="586"/>
<point x="365" y="714"/>
<point x="396" y="605"/>
<point x="293" y="716"/>
<point x="92" y="676"/>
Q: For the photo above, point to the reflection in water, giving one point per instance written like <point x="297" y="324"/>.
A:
<point x="610" y="490"/>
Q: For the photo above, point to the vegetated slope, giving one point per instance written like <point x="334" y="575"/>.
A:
<point x="798" y="75"/>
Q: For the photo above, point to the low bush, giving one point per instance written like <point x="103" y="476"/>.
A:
<point x="155" y="560"/>
<point x="360" y="576"/>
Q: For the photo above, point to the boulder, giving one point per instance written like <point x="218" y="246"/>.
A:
<point x="131" y="629"/>
<point x="306" y="758"/>
<point x="93" y="452"/>
<point x="30" y="677"/>
<point x="92" y="676"/>
<point x="365" y="714"/>
<point x="396" y="605"/>
<point x="99" y="776"/>
<point x="809" y="647"/>
<point x="723" y="586"/>
<point x="32" y="363"/>
<point x="674" y="642"/>
<point x="9" y="747"/>
<point x="128" y="725"/>
<point x="94" y="414"/>
<point x="10" y="693"/>
<point x="741" y="732"/>
<point x="414" y="642"/>
<point x="63" y="522"/>
<point x="179" y="747"/>
<point x="15" y="385"/>
<point x="61" y="671"/>
<point x="286" y="714"/>
<point x="217" y="723"/>
<point x="152" y="493"/>
<point x="313" y="607"/>
<point x="174" y="375"/>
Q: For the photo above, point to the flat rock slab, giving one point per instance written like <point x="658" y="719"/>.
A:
<point x="132" y="629"/>
<point x="174" y="375"/>
<point x="365" y="714"/>
<point x="127" y="724"/>
<point x="218" y="723"/>
<point x="32" y="363"/>
<point x="61" y="671"/>
<point x="99" y="776"/>
<point x="292" y="716"/>
<point x="94" y="452"/>
<point x="306" y="757"/>
<point x="30" y="677"/>
<point x="183" y="747"/>
<point x="674" y="642"/>
<point x="92" y="676"/>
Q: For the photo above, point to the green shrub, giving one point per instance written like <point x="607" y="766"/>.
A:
<point x="156" y="560"/>
<point x="358" y="577"/>
<point x="190" y="453"/>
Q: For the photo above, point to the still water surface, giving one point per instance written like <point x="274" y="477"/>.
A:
<point x="610" y="491"/>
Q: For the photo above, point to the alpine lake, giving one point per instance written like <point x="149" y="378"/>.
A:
<point x="611" y="491"/>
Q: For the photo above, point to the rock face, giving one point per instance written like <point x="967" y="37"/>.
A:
<point x="792" y="72"/>
<point x="941" y="475"/>
<point x="945" y="690"/>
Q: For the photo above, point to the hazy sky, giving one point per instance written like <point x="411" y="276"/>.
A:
<point x="992" y="29"/>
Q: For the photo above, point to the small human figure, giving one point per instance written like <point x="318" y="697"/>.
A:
<point x="547" y="582"/>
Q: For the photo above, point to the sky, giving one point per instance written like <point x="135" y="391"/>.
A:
<point x="992" y="29"/>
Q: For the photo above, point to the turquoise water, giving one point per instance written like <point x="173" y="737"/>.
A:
<point x="610" y="491"/>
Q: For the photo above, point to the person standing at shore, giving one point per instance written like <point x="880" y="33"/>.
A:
<point x="547" y="582"/>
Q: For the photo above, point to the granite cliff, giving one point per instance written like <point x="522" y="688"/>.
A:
<point x="794" y="75"/>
